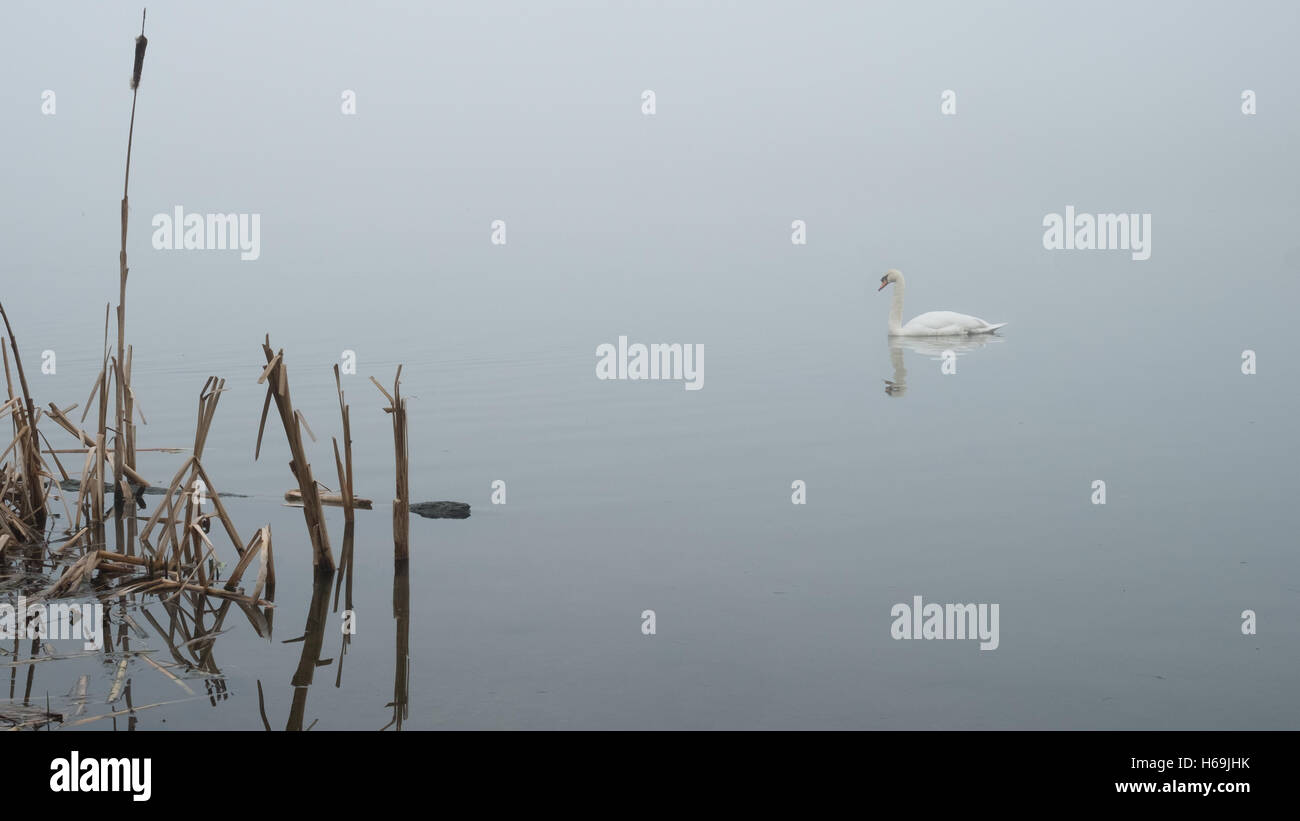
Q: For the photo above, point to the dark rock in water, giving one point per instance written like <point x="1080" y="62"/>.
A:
<point x="441" y="510"/>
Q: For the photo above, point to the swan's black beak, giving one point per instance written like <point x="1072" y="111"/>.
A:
<point x="883" y="283"/>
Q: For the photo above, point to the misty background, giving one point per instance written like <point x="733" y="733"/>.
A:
<point x="975" y="487"/>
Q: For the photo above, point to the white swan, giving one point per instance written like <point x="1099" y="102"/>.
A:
<point x="933" y="323"/>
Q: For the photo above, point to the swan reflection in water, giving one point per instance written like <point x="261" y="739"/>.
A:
<point x="932" y="347"/>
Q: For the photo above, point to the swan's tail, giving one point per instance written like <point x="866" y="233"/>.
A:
<point x="991" y="328"/>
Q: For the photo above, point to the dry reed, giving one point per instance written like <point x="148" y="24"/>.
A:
<point x="402" y="502"/>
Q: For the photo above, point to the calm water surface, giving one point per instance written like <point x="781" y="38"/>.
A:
<point x="625" y="496"/>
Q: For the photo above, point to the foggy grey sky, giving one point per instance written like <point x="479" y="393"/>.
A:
<point x="827" y="112"/>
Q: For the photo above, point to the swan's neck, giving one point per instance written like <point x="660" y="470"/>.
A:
<point x="896" y="309"/>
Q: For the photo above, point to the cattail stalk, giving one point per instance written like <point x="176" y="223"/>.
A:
<point x="124" y="405"/>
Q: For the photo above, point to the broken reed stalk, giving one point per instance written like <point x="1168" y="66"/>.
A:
<point x="259" y="548"/>
<point x="208" y="398"/>
<point x="183" y="494"/>
<point x="294" y="497"/>
<point x="128" y="462"/>
<point x="276" y="375"/>
<point x="122" y="455"/>
<point x="401" y="504"/>
<point x="32" y="496"/>
<point x="345" y="465"/>
<point x="96" y="501"/>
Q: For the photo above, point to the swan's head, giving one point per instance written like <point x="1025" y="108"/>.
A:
<point x="892" y="275"/>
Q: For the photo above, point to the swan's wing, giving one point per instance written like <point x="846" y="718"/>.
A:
<point x="946" y="322"/>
